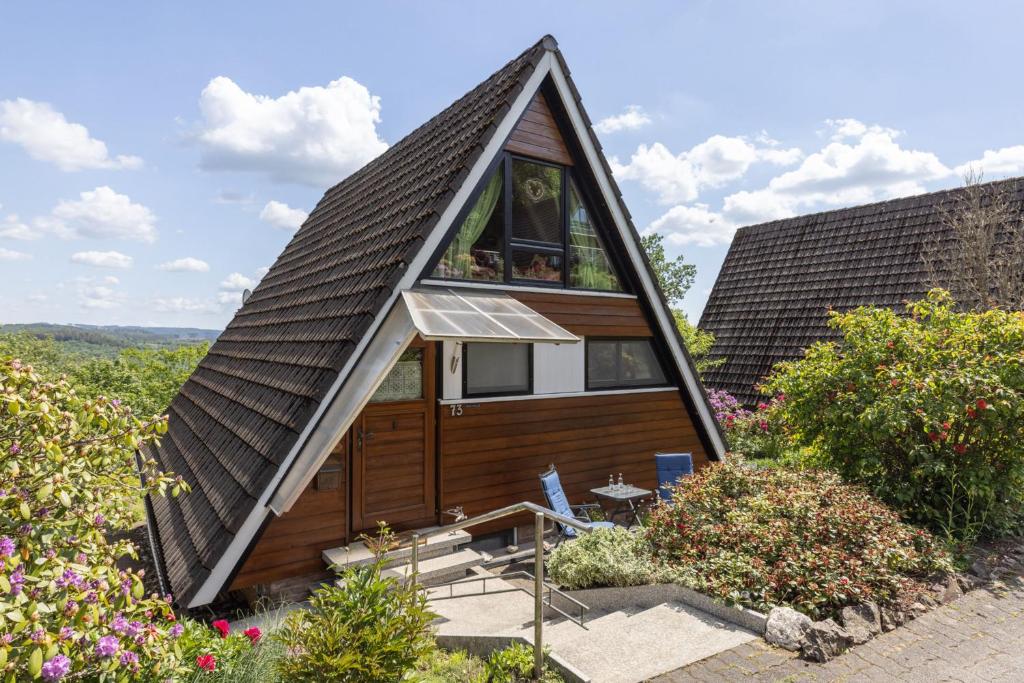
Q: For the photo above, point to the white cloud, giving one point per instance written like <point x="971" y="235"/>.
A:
<point x="232" y="197"/>
<point x="103" y="213"/>
<point x="694" y="224"/>
<point x="313" y="135"/>
<point x="633" y="118"/>
<point x="180" y="304"/>
<point x="280" y="215"/>
<point x="185" y="265"/>
<point x="46" y="135"/>
<point x="712" y="163"/>
<point x="229" y="298"/>
<point x="1007" y="160"/>
<point x="12" y="255"/>
<point x="102" y="259"/>
<point x="97" y="293"/>
<point x="236" y="282"/>
<point x="14" y="229"/>
<point x="860" y="163"/>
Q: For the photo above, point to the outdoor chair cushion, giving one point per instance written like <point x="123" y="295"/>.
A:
<point x="671" y="467"/>
<point x="558" y="502"/>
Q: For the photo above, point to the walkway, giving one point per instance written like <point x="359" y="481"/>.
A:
<point x="977" y="638"/>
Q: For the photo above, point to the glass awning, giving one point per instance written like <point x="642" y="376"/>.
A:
<point x="468" y="315"/>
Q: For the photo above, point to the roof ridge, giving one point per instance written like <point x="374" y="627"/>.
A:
<point x="892" y="200"/>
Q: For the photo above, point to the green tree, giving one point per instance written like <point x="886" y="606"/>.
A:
<point x="69" y="479"/>
<point x="675" y="277"/>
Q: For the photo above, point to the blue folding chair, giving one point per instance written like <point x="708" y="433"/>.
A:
<point x="671" y="468"/>
<point x="558" y="502"/>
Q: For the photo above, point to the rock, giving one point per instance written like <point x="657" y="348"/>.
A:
<point x="892" y="618"/>
<point x="863" y="622"/>
<point x="980" y="568"/>
<point x="968" y="582"/>
<point x="947" y="590"/>
<point x="916" y="610"/>
<point x="787" y="628"/>
<point x="825" y="640"/>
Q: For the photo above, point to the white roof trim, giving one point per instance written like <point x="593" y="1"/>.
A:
<point x="285" y="484"/>
<point x="664" y="318"/>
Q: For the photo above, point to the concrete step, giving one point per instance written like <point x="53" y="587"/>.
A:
<point x="358" y="554"/>
<point x="441" y="568"/>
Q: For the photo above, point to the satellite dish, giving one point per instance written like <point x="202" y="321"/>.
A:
<point x="246" y="293"/>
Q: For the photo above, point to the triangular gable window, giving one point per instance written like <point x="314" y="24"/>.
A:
<point x="550" y="237"/>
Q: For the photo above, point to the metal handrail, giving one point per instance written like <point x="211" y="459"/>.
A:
<point x="539" y="515"/>
<point x="520" y="573"/>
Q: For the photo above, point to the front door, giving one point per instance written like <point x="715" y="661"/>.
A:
<point x="393" y="447"/>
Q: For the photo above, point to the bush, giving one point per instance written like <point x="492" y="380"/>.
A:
<point x="513" y="664"/>
<point x="604" y="557"/>
<point x="369" y="629"/>
<point x="926" y="410"/>
<point x="760" y="433"/>
<point x="216" y="653"/>
<point x="68" y="478"/>
<point x="782" y="537"/>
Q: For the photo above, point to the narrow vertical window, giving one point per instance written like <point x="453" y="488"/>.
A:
<point x="589" y="267"/>
<point x="478" y="250"/>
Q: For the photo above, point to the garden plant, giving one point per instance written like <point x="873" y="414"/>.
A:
<point x="925" y="409"/>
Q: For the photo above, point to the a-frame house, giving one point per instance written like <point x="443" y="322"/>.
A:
<point x="467" y="308"/>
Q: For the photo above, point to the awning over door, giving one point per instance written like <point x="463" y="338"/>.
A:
<point x="472" y="315"/>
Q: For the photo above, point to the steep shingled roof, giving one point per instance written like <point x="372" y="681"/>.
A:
<point x="245" y="406"/>
<point x="779" y="279"/>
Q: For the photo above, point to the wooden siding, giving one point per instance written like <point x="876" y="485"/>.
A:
<point x="592" y="316"/>
<point x="492" y="453"/>
<point x="536" y="135"/>
<point x="292" y="543"/>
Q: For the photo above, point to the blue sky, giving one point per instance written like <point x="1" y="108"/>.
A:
<point x="154" y="156"/>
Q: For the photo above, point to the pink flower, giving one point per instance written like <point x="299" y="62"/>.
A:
<point x="982" y="404"/>
<point x="206" y="662"/>
<point x="253" y="634"/>
<point x="222" y="626"/>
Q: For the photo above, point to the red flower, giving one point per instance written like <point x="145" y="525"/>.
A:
<point x="253" y="634"/>
<point x="170" y="617"/>
<point x="945" y="425"/>
<point x="960" y="449"/>
<point x="982" y="404"/>
<point x="222" y="626"/>
<point x="933" y="436"/>
<point x="206" y="662"/>
<point x="971" y="412"/>
<point x="762" y="406"/>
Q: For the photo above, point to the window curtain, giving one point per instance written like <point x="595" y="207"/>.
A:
<point x="458" y="256"/>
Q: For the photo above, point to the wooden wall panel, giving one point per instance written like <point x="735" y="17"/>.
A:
<point x="594" y="316"/>
<point x="292" y="543"/>
<point x="536" y="135"/>
<point x="492" y="453"/>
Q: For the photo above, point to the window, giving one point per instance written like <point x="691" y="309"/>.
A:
<point x="516" y="231"/>
<point x="616" y="363"/>
<point x="588" y="260"/>
<point x="478" y="250"/>
<point x="404" y="381"/>
<point x="493" y="369"/>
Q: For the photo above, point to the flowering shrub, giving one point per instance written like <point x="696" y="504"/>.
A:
<point x="782" y="537"/>
<point x="604" y="557"/>
<point x="760" y="433"/>
<point x="926" y="410"/>
<point x="368" y="628"/>
<point x="216" y="653"/>
<point x="68" y="477"/>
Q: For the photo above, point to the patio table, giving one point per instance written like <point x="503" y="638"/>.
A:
<point x="623" y="500"/>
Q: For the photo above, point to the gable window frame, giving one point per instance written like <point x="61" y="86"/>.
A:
<point x="619" y="383"/>
<point x="466" y="393"/>
<point x="570" y="179"/>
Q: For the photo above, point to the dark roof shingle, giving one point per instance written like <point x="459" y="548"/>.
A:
<point x="779" y="279"/>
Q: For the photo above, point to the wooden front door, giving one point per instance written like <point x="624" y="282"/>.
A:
<point x="393" y="448"/>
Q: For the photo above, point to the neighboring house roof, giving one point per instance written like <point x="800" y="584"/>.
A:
<point x="242" y="425"/>
<point x="780" y="279"/>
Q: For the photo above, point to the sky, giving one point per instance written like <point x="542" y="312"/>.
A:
<point x="155" y="158"/>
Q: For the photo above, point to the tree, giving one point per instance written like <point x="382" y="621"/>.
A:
<point x="69" y="479"/>
<point x="675" y="277"/>
<point x="980" y="257"/>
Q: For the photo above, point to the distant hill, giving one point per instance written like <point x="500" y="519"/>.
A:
<point x="107" y="340"/>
